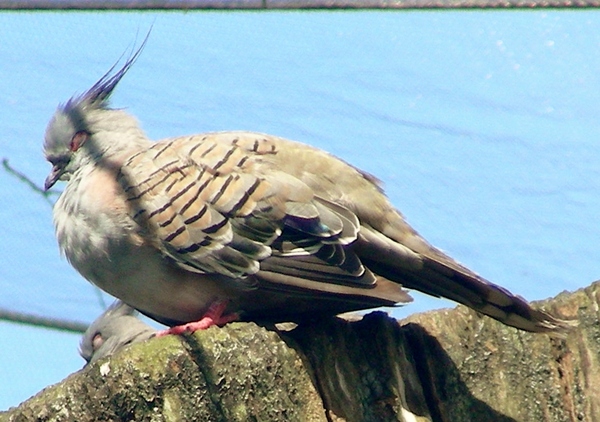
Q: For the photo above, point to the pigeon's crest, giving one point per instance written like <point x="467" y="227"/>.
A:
<point x="98" y="95"/>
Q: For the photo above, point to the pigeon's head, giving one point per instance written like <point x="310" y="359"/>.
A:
<point x="116" y="328"/>
<point x="103" y="328"/>
<point x="67" y="138"/>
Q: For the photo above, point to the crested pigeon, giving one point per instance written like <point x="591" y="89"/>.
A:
<point x="114" y="329"/>
<point x="240" y="225"/>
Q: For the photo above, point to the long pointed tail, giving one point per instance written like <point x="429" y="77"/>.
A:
<point x="424" y="268"/>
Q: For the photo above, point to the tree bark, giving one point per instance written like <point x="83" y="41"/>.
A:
<point x="447" y="365"/>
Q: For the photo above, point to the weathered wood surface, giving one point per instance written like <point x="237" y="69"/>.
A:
<point x="448" y="365"/>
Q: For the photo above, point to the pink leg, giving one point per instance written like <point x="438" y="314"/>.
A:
<point x="213" y="316"/>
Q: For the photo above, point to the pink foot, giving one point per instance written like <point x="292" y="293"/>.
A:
<point x="213" y="316"/>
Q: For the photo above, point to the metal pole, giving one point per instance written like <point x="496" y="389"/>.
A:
<point x="286" y="4"/>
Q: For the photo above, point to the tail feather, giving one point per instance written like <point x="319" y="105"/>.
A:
<point x="440" y="276"/>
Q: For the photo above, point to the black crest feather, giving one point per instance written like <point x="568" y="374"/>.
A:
<point x="98" y="95"/>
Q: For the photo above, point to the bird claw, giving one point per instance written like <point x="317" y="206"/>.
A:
<point x="213" y="316"/>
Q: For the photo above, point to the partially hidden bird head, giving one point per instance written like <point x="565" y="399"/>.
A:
<point x="100" y="330"/>
<point x="115" y="329"/>
<point x="74" y="135"/>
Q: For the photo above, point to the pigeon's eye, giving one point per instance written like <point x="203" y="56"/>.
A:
<point x="78" y="140"/>
<point x="97" y="341"/>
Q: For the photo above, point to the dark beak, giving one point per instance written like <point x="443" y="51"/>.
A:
<point x="53" y="177"/>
